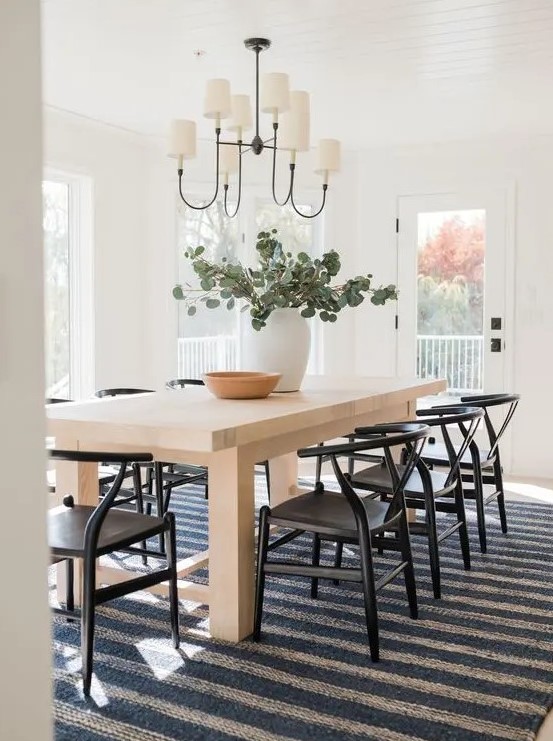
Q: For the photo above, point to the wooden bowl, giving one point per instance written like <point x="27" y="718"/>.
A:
<point x="241" y="384"/>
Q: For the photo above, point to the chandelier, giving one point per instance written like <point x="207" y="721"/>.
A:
<point x="290" y="113"/>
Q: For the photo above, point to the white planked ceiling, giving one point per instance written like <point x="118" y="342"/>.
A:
<point x="380" y="71"/>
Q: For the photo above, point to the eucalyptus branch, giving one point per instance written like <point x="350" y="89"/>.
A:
<point x="280" y="281"/>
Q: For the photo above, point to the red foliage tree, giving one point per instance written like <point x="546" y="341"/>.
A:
<point x="455" y="251"/>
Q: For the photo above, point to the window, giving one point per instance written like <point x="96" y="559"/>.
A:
<point x="67" y="286"/>
<point x="210" y="339"/>
<point x="57" y="288"/>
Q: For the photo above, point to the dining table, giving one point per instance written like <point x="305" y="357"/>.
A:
<point x="227" y="436"/>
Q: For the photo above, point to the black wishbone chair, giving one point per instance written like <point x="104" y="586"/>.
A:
<point x="482" y="466"/>
<point x="432" y="491"/>
<point x="87" y="533"/>
<point x="347" y="518"/>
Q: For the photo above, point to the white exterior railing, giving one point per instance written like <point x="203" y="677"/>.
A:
<point x="197" y="355"/>
<point x="459" y="358"/>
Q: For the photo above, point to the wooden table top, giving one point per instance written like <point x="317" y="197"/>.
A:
<point x="192" y="419"/>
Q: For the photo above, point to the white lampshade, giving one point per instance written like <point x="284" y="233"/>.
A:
<point x="275" y="93"/>
<point x="293" y="131"/>
<point x="182" y="139"/>
<point x="228" y="159"/>
<point x="328" y="156"/>
<point x="241" y="113"/>
<point x="217" y="99"/>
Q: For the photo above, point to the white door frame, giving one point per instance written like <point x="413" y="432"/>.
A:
<point x="483" y="194"/>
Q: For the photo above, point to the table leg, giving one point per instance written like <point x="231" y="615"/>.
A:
<point x="231" y="545"/>
<point x="284" y="477"/>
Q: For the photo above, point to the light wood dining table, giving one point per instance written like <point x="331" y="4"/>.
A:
<point x="228" y="436"/>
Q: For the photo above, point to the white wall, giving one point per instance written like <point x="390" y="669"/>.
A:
<point x="25" y="693"/>
<point x="385" y="175"/>
<point x="116" y="161"/>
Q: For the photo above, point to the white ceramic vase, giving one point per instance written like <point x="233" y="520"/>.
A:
<point x="280" y="347"/>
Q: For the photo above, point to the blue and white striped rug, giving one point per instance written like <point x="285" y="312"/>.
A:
<point x="476" y="665"/>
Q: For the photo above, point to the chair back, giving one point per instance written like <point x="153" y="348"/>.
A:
<point x="180" y="383"/>
<point x="467" y="419"/>
<point x="410" y="436"/>
<point x="487" y="401"/>
<point x="94" y="524"/>
<point x="102" y="393"/>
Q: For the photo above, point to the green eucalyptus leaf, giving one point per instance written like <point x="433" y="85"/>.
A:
<point x="280" y="279"/>
<point x="191" y="310"/>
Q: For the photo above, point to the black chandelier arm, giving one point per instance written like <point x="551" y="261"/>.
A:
<point x="212" y="201"/>
<point x="307" y="216"/>
<point x="231" y="216"/>
<point x="275" y="199"/>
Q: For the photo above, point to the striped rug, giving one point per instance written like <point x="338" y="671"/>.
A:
<point x="475" y="666"/>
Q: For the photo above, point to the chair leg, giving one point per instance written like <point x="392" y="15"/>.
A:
<point x="137" y="484"/>
<point x="498" y="476"/>
<point x="369" y="594"/>
<point x="338" y="553"/>
<point x="268" y="480"/>
<point x="262" y="543"/>
<point x="463" y="530"/>
<point x="171" y="549"/>
<point x="315" y="560"/>
<point x="430" y="512"/>
<point x="158" y="476"/>
<point x="69" y="587"/>
<point x="479" y="499"/>
<point x="408" y="571"/>
<point x="87" y="619"/>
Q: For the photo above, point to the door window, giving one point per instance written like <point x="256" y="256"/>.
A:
<point x="450" y="297"/>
